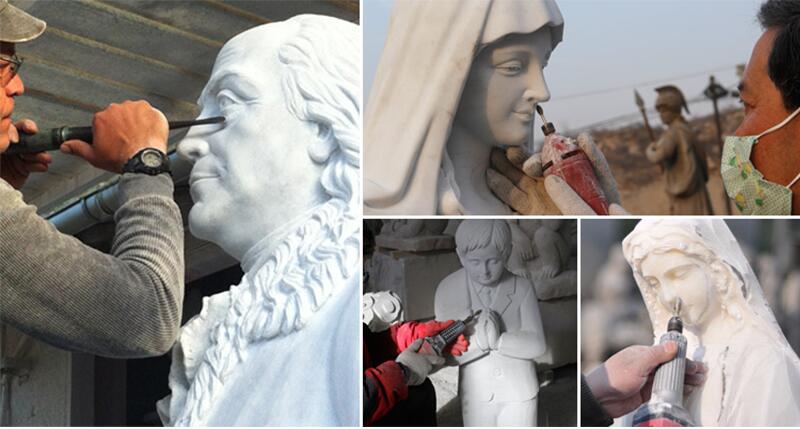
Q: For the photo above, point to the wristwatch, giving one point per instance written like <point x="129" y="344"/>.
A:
<point x="148" y="161"/>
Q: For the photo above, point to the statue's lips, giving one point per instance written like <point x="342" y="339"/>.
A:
<point x="526" y="116"/>
<point x="196" y="178"/>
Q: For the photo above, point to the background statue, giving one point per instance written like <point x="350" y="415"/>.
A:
<point x="437" y="108"/>
<point x="277" y="186"/>
<point x="497" y="380"/>
<point x="544" y="252"/>
<point x="681" y="158"/>
<point x="753" y="374"/>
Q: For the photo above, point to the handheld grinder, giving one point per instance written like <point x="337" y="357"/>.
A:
<point x="52" y="139"/>
<point x="665" y="408"/>
<point x="434" y="345"/>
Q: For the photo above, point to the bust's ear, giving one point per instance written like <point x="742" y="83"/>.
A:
<point x="323" y="145"/>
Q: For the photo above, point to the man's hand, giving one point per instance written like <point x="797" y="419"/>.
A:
<point x="418" y="365"/>
<point x="523" y="193"/>
<point x="520" y="194"/>
<point x="625" y="380"/>
<point x="15" y="169"/>
<point x="119" y="132"/>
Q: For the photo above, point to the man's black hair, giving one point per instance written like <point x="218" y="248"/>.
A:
<point x="784" y="60"/>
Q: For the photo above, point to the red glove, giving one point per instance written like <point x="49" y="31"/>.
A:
<point x="406" y="333"/>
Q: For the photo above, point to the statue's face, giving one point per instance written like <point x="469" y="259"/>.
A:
<point x="667" y="114"/>
<point x="484" y="266"/>
<point x="252" y="173"/>
<point x="504" y="85"/>
<point x="672" y="276"/>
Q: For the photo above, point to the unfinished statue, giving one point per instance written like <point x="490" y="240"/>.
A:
<point x="455" y="79"/>
<point x="277" y="187"/>
<point x="497" y="380"/>
<point x="754" y="376"/>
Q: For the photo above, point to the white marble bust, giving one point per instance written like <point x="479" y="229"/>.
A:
<point x="277" y="187"/>
<point x="497" y="381"/>
<point x="455" y="79"/>
<point x="754" y="376"/>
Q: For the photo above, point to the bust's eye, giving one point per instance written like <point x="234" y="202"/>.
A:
<point x="227" y="101"/>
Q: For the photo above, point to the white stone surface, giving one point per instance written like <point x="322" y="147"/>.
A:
<point x="413" y="276"/>
<point x="415" y="235"/>
<point x="754" y="376"/>
<point x="277" y="187"/>
<point x="498" y="385"/>
<point x="542" y="253"/>
<point x="432" y="121"/>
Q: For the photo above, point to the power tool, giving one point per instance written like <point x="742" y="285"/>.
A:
<point x="53" y="138"/>
<point x="665" y="408"/>
<point x="435" y="345"/>
<point x="565" y="159"/>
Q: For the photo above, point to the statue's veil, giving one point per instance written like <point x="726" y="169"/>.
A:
<point x="425" y="62"/>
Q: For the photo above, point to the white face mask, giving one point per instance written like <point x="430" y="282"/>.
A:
<point x="745" y="185"/>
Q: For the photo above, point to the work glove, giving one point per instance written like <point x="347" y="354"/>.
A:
<point x="409" y="332"/>
<point x="518" y="181"/>
<point x="417" y="365"/>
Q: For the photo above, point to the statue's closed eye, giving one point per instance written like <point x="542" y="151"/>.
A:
<point x="510" y="68"/>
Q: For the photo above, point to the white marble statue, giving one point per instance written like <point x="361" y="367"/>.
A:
<point x="380" y="310"/>
<point x="754" y="376"/>
<point x="542" y="253"/>
<point x="277" y="187"/>
<point x="497" y="380"/>
<point x="455" y="79"/>
<point x="415" y="235"/>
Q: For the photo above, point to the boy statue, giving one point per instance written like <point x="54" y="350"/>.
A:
<point x="497" y="380"/>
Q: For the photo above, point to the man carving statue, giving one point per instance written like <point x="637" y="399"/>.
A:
<point x="497" y="380"/>
<point x="277" y="187"/>
<point x="680" y="157"/>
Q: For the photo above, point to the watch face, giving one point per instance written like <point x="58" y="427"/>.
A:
<point x="151" y="159"/>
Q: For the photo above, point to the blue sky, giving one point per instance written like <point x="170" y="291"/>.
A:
<point x="624" y="44"/>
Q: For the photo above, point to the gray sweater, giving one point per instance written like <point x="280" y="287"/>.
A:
<point x="58" y="290"/>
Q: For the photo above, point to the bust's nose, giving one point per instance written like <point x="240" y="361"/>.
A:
<point x="192" y="148"/>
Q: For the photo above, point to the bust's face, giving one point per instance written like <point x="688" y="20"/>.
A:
<point x="673" y="275"/>
<point x="504" y="85"/>
<point x="252" y="173"/>
<point x="484" y="266"/>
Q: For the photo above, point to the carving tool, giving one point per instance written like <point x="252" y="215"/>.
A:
<point x="665" y="407"/>
<point x="52" y="139"/>
<point x="435" y="345"/>
<point x="566" y="160"/>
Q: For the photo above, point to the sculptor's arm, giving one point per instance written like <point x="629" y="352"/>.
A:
<point x="56" y="289"/>
<point x="663" y="149"/>
<point x="529" y="342"/>
<point x="61" y="291"/>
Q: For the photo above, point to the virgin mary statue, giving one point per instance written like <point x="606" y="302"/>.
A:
<point x="455" y="79"/>
<point x="753" y="375"/>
